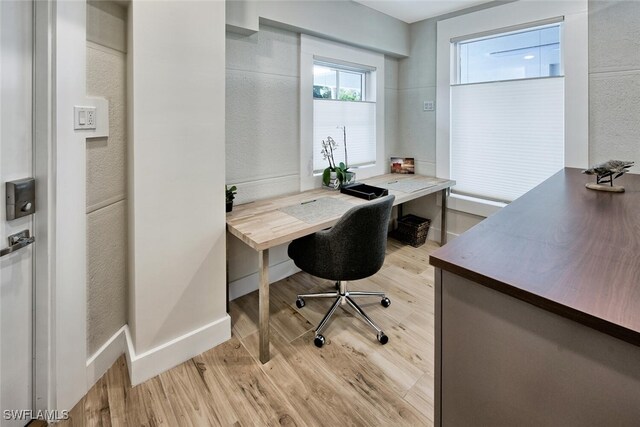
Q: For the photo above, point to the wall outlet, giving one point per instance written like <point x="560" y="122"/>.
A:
<point x="84" y="118"/>
<point x="429" y="106"/>
<point x="91" y="118"/>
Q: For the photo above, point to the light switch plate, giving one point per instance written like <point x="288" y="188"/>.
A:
<point x="84" y="117"/>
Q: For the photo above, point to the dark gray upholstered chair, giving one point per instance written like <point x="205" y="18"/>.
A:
<point x="352" y="249"/>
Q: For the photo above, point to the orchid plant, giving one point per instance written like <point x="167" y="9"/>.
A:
<point x="342" y="169"/>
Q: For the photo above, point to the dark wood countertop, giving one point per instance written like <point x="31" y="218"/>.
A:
<point x="562" y="247"/>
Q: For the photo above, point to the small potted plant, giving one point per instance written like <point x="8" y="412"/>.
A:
<point x="230" y="195"/>
<point x="336" y="174"/>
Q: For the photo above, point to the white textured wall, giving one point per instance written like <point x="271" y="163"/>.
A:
<point x="343" y="21"/>
<point x="262" y="129"/>
<point x="391" y="103"/>
<point x="176" y="176"/>
<point x="106" y="176"/>
<point x="614" y="81"/>
<point x="262" y="126"/>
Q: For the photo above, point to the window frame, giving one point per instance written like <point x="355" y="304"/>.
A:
<point x="501" y="19"/>
<point x="312" y="50"/>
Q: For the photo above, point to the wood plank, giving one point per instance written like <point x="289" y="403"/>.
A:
<point x="189" y="396"/>
<point x="96" y="409"/>
<point x="252" y="395"/>
<point x="371" y="385"/>
<point x="117" y="379"/>
<point x="310" y="383"/>
<point x="148" y="405"/>
<point x="421" y="396"/>
<point x="76" y="415"/>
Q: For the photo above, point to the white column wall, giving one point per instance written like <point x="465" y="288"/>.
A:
<point x="176" y="175"/>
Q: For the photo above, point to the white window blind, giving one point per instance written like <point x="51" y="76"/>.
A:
<point x="360" y="121"/>
<point x="506" y="137"/>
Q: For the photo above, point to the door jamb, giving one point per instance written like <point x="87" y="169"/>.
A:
<point x="44" y="390"/>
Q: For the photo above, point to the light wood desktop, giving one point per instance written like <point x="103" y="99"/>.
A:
<point x="262" y="225"/>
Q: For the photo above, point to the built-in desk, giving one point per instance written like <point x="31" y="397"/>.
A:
<point x="263" y="225"/>
<point x="538" y="311"/>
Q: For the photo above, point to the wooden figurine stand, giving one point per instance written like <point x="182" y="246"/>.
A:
<point x="603" y="187"/>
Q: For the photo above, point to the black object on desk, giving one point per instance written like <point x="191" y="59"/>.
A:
<point x="364" y="191"/>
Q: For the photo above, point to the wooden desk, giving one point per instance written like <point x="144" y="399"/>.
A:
<point x="261" y="225"/>
<point x="538" y="310"/>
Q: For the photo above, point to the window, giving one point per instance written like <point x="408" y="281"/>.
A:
<point x="524" y="54"/>
<point x="512" y="89"/>
<point x="340" y="87"/>
<point x="507" y="131"/>
<point x="340" y="102"/>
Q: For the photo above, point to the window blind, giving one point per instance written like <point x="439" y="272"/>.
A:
<point x="506" y="137"/>
<point x="360" y="121"/>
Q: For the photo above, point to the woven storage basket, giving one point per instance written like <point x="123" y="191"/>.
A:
<point x="412" y="230"/>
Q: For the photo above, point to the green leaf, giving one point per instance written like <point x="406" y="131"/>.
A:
<point x="343" y="166"/>
<point x="326" y="174"/>
<point x="340" y="175"/>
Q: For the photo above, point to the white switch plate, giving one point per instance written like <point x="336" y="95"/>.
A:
<point x="84" y="118"/>
<point x="429" y="106"/>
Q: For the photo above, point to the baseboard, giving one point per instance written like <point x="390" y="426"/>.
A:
<point x="434" y="234"/>
<point x="105" y="357"/>
<point x="248" y="284"/>
<point x="159" y="359"/>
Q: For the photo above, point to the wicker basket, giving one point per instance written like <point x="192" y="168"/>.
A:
<point x="412" y="230"/>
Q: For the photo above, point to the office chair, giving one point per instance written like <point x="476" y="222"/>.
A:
<point x="352" y="249"/>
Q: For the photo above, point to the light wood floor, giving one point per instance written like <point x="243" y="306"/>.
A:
<point x="352" y="380"/>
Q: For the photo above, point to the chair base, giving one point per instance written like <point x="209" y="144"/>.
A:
<point x="342" y="296"/>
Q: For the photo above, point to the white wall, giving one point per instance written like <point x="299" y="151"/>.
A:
<point x="339" y="20"/>
<point x="176" y="176"/>
<point x="614" y="81"/>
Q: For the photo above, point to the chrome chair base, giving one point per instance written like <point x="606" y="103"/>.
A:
<point x="342" y="296"/>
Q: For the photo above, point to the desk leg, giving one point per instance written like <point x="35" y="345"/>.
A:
<point x="443" y="217"/>
<point x="263" y="273"/>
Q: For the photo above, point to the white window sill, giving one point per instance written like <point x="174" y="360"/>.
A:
<point x="473" y="205"/>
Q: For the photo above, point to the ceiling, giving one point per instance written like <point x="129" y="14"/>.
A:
<point x="411" y="11"/>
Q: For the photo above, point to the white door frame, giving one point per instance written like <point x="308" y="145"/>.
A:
<point x="44" y="345"/>
<point x="60" y="375"/>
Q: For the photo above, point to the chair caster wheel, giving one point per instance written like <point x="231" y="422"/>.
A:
<point x="386" y="302"/>
<point x="319" y="341"/>
<point x="300" y="303"/>
<point x="382" y="338"/>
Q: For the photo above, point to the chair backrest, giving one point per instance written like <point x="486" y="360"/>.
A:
<point x="359" y="240"/>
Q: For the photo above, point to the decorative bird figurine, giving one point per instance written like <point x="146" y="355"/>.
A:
<point x="606" y="172"/>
